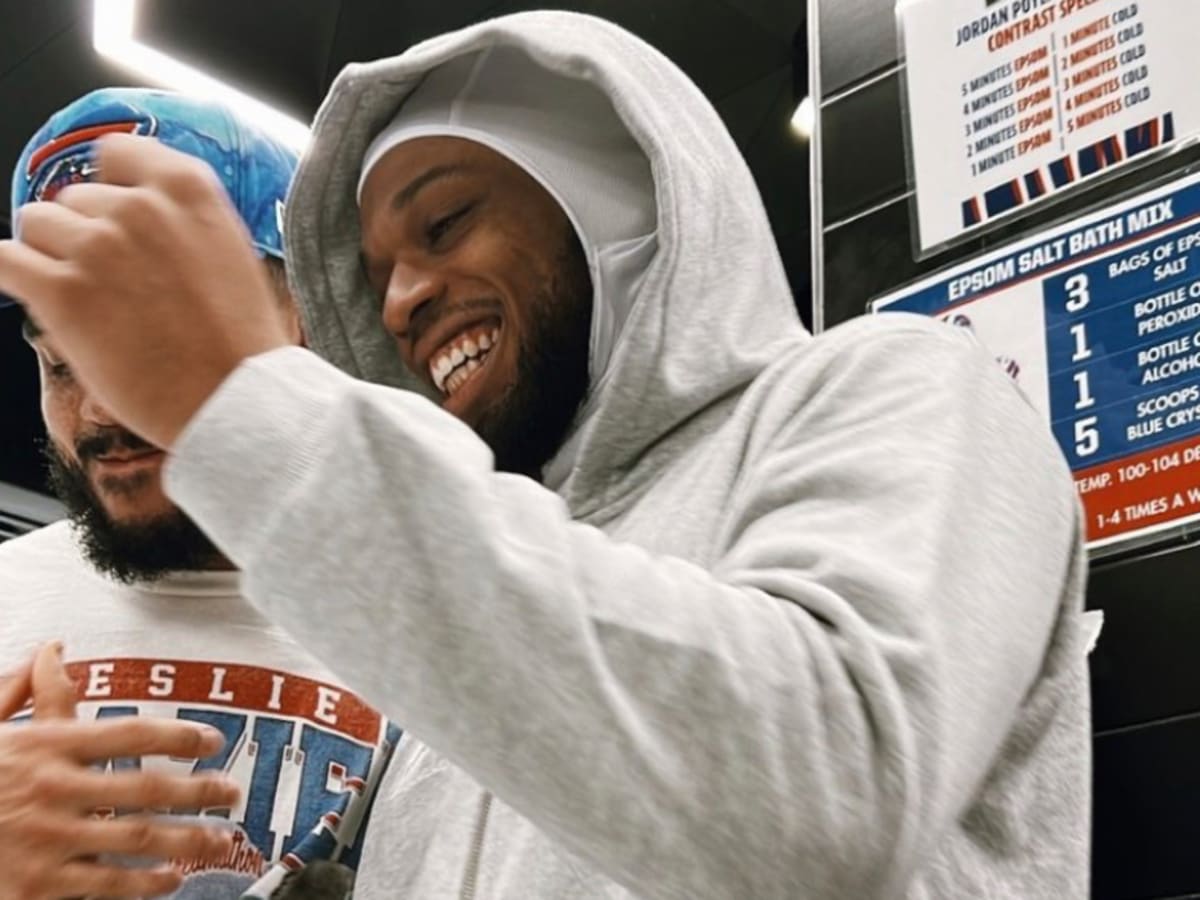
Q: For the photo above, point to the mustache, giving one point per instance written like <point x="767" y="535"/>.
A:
<point x="426" y="315"/>
<point x="104" y="441"/>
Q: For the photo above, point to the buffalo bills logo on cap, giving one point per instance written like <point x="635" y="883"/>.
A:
<point x="67" y="159"/>
<point x="254" y="168"/>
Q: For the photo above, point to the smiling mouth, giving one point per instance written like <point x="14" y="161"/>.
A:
<point x="460" y="358"/>
<point x="126" y="459"/>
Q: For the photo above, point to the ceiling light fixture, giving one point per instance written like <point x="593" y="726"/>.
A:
<point x="112" y="37"/>
<point x="804" y="119"/>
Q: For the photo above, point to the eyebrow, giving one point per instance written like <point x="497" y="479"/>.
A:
<point x="409" y="192"/>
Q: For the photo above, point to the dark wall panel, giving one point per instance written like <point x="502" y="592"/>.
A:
<point x="858" y="38"/>
<point x="860" y="165"/>
<point x="21" y="421"/>
<point x="1147" y="812"/>
<point x="1146" y="666"/>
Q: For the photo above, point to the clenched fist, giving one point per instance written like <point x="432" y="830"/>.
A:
<point x="146" y="281"/>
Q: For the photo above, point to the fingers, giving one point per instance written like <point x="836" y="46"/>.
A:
<point x="29" y="276"/>
<point x="53" y="229"/>
<point x="130" y="160"/>
<point x="107" y="209"/>
<point x="123" y="736"/>
<point x="93" y="199"/>
<point x="53" y="690"/>
<point x="146" y="837"/>
<point x="15" y="690"/>
<point x="86" y="879"/>
<point x="86" y="789"/>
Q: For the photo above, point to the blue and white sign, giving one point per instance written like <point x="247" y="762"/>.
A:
<point x="1098" y="321"/>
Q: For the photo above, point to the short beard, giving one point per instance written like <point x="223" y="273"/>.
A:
<point x="143" y="551"/>
<point x="528" y="425"/>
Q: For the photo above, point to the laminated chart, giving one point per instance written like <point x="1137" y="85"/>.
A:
<point x="1013" y="102"/>
<point x="1098" y="322"/>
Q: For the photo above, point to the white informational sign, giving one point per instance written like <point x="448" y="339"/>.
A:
<point x="1098" y="321"/>
<point x="1014" y="102"/>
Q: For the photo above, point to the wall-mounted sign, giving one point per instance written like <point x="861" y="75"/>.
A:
<point x="1098" y="321"/>
<point x="1011" y="103"/>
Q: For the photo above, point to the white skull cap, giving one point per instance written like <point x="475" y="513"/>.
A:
<point x="566" y="134"/>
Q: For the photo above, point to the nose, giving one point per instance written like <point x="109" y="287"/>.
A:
<point x="410" y="288"/>
<point x="92" y="411"/>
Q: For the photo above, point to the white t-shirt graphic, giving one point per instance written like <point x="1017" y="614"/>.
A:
<point x="308" y="753"/>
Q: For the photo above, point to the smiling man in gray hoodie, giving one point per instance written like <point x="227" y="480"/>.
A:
<point x="672" y="599"/>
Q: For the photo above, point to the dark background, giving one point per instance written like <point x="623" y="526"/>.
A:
<point x="1146" y="668"/>
<point x="748" y="56"/>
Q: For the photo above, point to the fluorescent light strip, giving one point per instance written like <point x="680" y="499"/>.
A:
<point x="112" y="37"/>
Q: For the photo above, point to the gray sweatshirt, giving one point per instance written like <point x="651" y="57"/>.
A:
<point x="803" y="621"/>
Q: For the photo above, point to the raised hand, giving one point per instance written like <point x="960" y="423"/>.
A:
<point x="147" y="283"/>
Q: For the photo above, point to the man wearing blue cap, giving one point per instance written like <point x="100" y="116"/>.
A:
<point x="154" y="631"/>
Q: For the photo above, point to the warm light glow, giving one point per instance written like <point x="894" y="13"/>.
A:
<point x="112" y="37"/>
<point x="804" y="119"/>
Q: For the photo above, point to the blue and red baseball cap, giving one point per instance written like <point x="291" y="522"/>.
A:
<point x="255" y="168"/>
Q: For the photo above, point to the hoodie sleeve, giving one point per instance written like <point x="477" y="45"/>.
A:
<point x="807" y="717"/>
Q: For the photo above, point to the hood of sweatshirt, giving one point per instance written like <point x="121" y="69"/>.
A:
<point x="711" y="309"/>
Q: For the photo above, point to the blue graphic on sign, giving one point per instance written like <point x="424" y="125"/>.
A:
<point x="1123" y="350"/>
<point x="1121" y="299"/>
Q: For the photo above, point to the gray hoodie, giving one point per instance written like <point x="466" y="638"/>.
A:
<point x="802" y="621"/>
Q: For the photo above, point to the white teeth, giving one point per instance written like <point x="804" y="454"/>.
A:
<point x="439" y="369"/>
<point x="460" y="376"/>
<point x="451" y="368"/>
